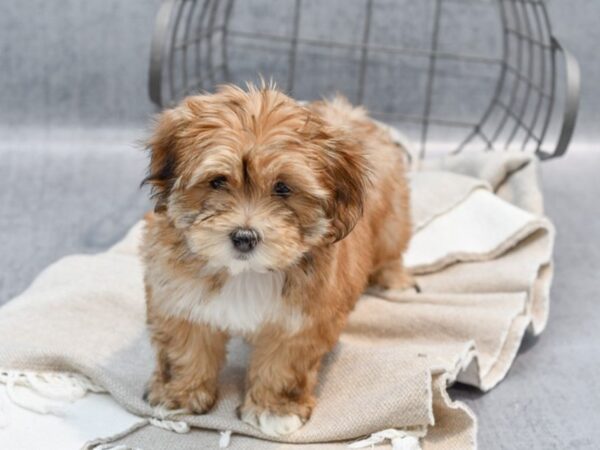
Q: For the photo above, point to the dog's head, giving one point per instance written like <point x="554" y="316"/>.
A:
<point x="253" y="179"/>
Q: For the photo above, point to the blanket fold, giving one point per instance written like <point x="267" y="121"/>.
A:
<point x="482" y="256"/>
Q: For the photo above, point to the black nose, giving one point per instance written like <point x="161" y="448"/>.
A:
<point x="244" y="239"/>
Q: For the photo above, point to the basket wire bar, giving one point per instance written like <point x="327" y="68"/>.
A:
<point x="294" y="45"/>
<point x="364" y="52"/>
<point x="431" y="76"/>
<point x="379" y="48"/>
<point x="194" y="47"/>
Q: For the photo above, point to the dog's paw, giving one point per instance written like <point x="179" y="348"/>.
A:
<point x="194" y="401"/>
<point x="270" y="423"/>
<point x="394" y="276"/>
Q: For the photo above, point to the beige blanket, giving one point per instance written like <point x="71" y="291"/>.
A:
<point x="482" y="255"/>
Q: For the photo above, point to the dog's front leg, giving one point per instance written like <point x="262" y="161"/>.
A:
<point x="281" y="379"/>
<point x="190" y="357"/>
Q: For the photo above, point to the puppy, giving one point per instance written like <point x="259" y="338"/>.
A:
<point x="271" y="218"/>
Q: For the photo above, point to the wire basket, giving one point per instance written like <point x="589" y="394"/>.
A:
<point x="453" y="74"/>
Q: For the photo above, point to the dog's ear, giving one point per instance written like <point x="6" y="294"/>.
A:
<point x="349" y="176"/>
<point x="162" y="145"/>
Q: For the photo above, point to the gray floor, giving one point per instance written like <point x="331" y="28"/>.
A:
<point x="64" y="194"/>
<point x="78" y="192"/>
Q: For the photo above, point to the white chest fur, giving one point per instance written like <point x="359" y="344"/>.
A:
<point x="245" y="303"/>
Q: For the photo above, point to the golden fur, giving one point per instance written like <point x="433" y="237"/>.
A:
<point x="215" y="160"/>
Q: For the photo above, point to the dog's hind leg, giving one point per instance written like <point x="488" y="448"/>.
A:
<point x="393" y="275"/>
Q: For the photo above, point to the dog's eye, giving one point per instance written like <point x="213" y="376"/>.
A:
<point x="281" y="189"/>
<point x="218" y="182"/>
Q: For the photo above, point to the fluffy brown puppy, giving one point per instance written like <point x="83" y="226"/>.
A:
<point x="271" y="219"/>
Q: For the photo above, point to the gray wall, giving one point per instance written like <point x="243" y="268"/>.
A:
<point x="83" y="64"/>
<point x="74" y="63"/>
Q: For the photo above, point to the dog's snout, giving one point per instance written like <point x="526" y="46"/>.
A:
<point x="244" y="239"/>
